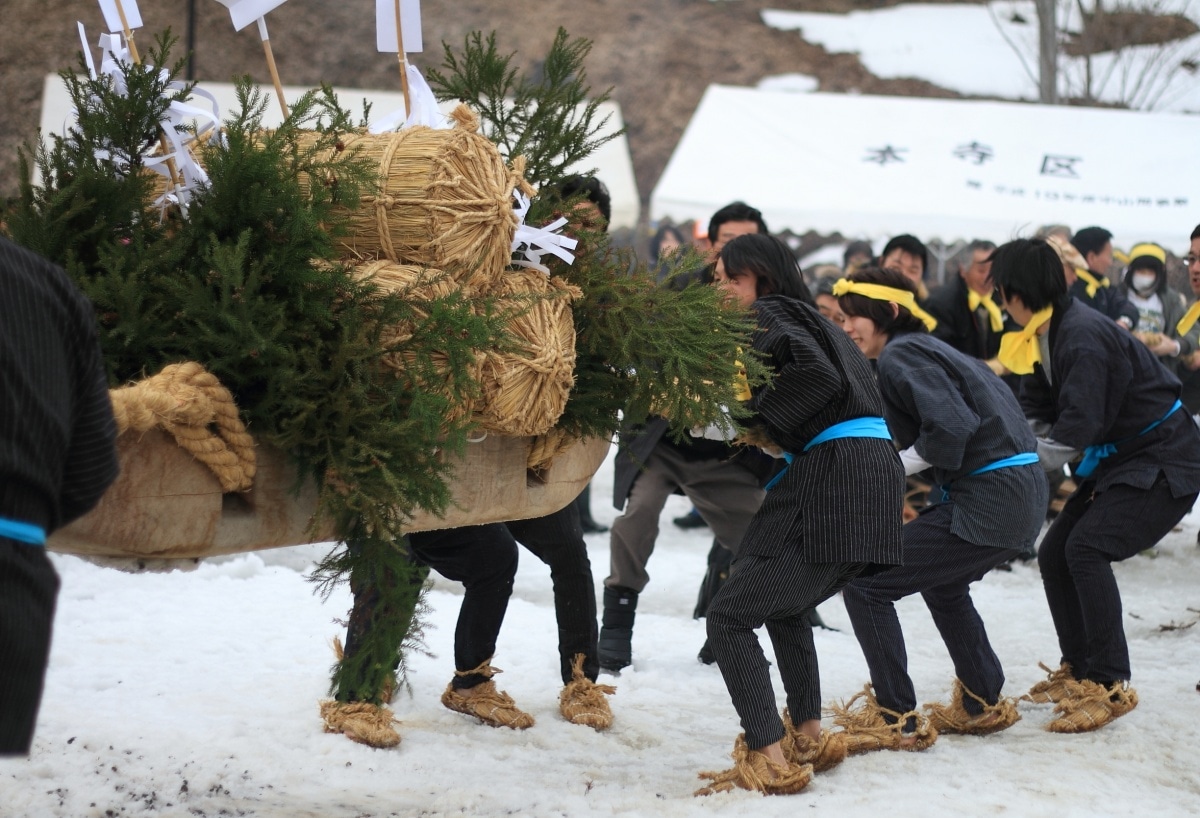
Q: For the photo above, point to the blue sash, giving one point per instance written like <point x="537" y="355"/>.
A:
<point x="27" y="533"/>
<point x="1092" y="455"/>
<point x="857" y="427"/>
<point x="1022" y="459"/>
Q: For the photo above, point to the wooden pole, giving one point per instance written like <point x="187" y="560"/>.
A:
<point x="266" y="41"/>
<point x="164" y="146"/>
<point x="403" y="59"/>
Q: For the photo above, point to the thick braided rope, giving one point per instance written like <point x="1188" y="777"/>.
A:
<point x="189" y="403"/>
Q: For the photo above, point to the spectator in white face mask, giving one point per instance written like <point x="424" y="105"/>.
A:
<point x="1159" y="307"/>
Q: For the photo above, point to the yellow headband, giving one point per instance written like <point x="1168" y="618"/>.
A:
<point x="1152" y="250"/>
<point x="879" y="292"/>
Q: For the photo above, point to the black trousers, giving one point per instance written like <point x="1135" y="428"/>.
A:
<point x="941" y="567"/>
<point x="557" y="540"/>
<point x="1093" y="531"/>
<point x="484" y="559"/>
<point x="28" y="592"/>
<point x="778" y="592"/>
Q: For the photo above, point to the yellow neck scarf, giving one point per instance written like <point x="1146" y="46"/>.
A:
<point x="974" y="299"/>
<point x="1188" y="320"/>
<point x="881" y="293"/>
<point x="1019" y="351"/>
<point x="1093" y="283"/>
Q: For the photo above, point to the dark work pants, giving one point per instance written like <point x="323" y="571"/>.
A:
<point x="941" y="567"/>
<point x="557" y="540"/>
<point x="778" y="592"/>
<point x="28" y="591"/>
<point x="484" y="559"/>
<point x="1076" y="556"/>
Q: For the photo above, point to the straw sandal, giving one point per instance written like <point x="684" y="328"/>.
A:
<point x="866" y="729"/>
<point x="1053" y="688"/>
<point x="583" y="701"/>
<point x="366" y="723"/>
<point x="485" y="702"/>
<point x="824" y="754"/>
<point x="754" y="771"/>
<point x="1089" y="706"/>
<point x="954" y="718"/>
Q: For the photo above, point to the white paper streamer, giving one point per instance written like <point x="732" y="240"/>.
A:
<point x="410" y="21"/>
<point x="534" y="242"/>
<point x="423" y="105"/>
<point x="189" y="175"/>
<point x="245" y="12"/>
<point x="112" y="18"/>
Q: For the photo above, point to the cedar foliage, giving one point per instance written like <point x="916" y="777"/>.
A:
<point x="642" y="348"/>
<point x="250" y="285"/>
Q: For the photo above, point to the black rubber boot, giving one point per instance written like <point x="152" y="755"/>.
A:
<point x="615" y="647"/>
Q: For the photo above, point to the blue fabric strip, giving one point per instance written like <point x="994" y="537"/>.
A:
<point x="27" y="533"/>
<point x="787" y="456"/>
<point x="1092" y="455"/>
<point x="856" y="427"/>
<point x="1022" y="459"/>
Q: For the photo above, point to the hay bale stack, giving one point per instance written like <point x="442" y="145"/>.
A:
<point x="418" y="286"/>
<point x="444" y="200"/>
<point x="525" y="386"/>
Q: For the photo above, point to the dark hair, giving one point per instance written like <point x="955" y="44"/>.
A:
<point x="735" y="212"/>
<point x="880" y="312"/>
<point x="856" y="248"/>
<point x="967" y="257"/>
<point x="661" y="233"/>
<point x="1031" y="270"/>
<point x="908" y="244"/>
<point x="1147" y="263"/>
<point x="591" y="189"/>
<point x="1091" y="240"/>
<point x="824" y="286"/>
<point x="1196" y="233"/>
<point x="772" y="263"/>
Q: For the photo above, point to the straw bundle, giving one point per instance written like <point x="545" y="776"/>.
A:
<point x="525" y="386"/>
<point x="444" y="200"/>
<point x="417" y="285"/>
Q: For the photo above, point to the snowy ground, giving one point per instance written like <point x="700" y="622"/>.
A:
<point x="195" y="693"/>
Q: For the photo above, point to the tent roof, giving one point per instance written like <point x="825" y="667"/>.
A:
<point x="875" y="167"/>
<point x="612" y="161"/>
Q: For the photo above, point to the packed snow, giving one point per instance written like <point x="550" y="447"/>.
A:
<point x="194" y="692"/>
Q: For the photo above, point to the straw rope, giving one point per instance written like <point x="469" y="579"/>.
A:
<point x="544" y="449"/>
<point x="189" y="403"/>
<point x="526" y="384"/>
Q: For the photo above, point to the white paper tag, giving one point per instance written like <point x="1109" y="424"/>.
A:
<point x="410" y="21"/>
<point x="245" y="12"/>
<point x="112" y="19"/>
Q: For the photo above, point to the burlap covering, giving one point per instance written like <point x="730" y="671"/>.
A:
<point x="525" y="386"/>
<point x="444" y="200"/>
<point x="189" y="403"/>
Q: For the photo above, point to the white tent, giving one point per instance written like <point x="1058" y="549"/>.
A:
<point x="874" y="167"/>
<point x="612" y="161"/>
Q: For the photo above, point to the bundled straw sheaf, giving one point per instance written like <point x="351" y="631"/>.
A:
<point x="418" y="285"/>
<point x="443" y="200"/>
<point x="526" y="385"/>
